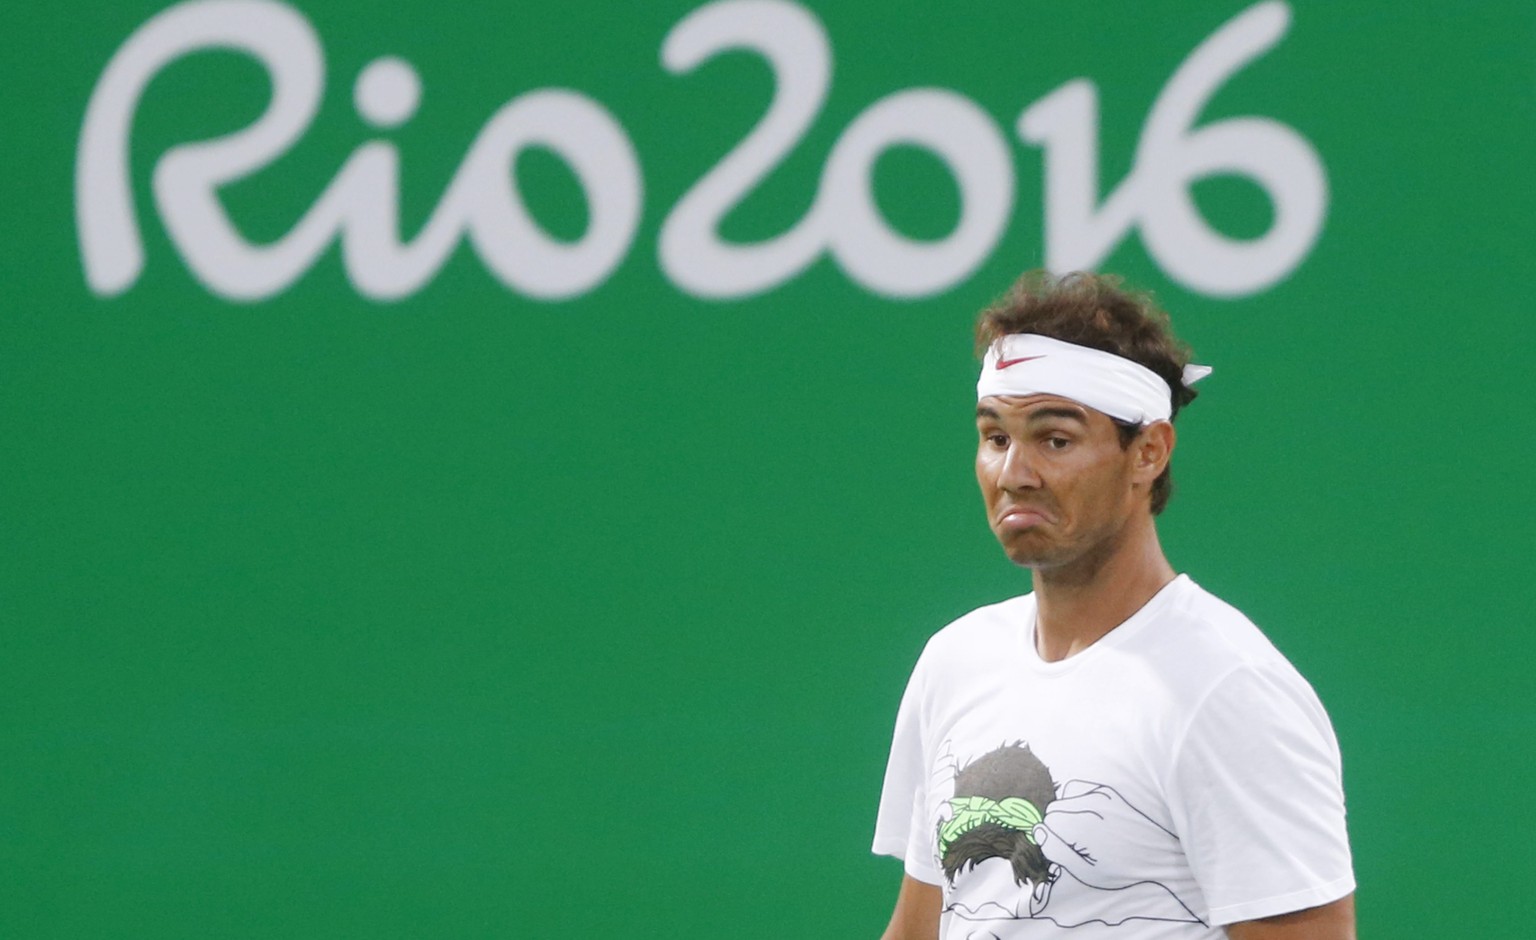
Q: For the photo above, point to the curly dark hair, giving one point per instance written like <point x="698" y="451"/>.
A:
<point x="1011" y="770"/>
<point x="1095" y="310"/>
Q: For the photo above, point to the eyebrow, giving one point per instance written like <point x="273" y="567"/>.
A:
<point x="1071" y="414"/>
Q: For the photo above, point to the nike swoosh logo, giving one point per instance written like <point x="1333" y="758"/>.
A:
<point x="1005" y="363"/>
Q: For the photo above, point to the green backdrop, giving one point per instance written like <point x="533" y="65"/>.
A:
<point x="577" y="602"/>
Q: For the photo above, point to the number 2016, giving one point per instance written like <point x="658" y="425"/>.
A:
<point x="359" y="206"/>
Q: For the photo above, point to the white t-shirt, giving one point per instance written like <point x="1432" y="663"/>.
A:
<point x="1175" y="776"/>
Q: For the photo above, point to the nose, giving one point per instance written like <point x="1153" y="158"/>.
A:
<point x="1017" y="471"/>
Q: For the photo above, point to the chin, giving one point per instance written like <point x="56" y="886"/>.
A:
<point x="1032" y="562"/>
<point x="1030" y="556"/>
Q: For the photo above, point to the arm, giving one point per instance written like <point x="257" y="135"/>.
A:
<point x="917" y="912"/>
<point x="1257" y="799"/>
<point x="1335" y="921"/>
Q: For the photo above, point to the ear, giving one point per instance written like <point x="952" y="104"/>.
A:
<point x="1151" y="451"/>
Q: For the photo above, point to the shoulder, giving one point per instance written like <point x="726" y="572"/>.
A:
<point x="1231" y="668"/>
<point x="1198" y="652"/>
<point x="1202" y="633"/>
<point x="993" y="629"/>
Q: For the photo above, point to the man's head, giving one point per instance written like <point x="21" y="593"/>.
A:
<point x="1071" y="438"/>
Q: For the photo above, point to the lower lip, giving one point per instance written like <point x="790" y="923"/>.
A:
<point x="1021" y="520"/>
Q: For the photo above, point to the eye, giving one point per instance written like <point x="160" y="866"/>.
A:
<point x="1057" y="442"/>
<point x="997" y="439"/>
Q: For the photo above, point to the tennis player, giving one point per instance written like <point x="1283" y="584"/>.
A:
<point x="1118" y="754"/>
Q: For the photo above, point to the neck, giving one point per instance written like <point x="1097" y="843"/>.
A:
<point x="1078" y="603"/>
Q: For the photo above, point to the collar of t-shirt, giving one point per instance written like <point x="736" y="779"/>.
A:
<point x="1124" y="633"/>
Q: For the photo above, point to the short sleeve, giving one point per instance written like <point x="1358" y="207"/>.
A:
<point x="901" y="825"/>
<point x="1258" y="800"/>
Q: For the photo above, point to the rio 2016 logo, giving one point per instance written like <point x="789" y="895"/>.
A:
<point x="359" y="207"/>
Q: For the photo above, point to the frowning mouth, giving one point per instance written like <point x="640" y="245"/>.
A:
<point x="1022" y="517"/>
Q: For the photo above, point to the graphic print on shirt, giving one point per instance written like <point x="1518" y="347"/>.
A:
<point x="1071" y="850"/>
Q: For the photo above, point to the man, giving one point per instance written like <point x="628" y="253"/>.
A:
<point x="1118" y="754"/>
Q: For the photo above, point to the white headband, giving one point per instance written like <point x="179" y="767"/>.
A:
<point x="1029" y="364"/>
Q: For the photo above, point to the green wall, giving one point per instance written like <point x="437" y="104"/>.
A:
<point x="393" y="595"/>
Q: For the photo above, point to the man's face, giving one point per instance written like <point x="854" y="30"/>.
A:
<point x="1057" y="485"/>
